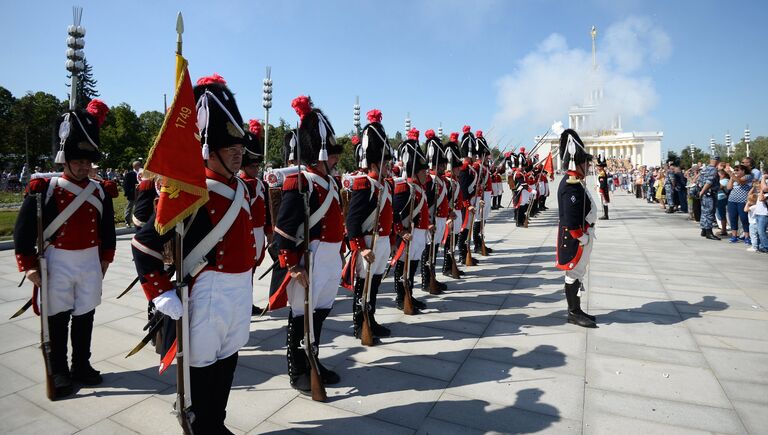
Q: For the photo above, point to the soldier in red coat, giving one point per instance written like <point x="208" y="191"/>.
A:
<point x="456" y="203"/>
<point x="262" y="226"/>
<point x="439" y="208"/>
<point x="316" y="149"/>
<point x="371" y="191"/>
<point x="219" y="254"/>
<point x="79" y="232"/>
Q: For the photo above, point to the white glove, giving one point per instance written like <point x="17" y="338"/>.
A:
<point x="169" y="304"/>
<point x="585" y="239"/>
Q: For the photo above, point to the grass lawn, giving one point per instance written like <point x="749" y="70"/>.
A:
<point x="8" y="217"/>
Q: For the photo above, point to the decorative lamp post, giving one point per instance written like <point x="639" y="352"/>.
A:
<point x="711" y="146"/>
<point x="440" y="131"/>
<point x="692" y="149"/>
<point x="75" y="56"/>
<point x="746" y="139"/>
<point x="728" y="144"/>
<point x="407" y="123"/>
<point x="267" y="103"/>
<point x="356" y="117"/>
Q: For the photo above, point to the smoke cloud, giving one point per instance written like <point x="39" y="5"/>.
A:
<point x="554" y="77"/>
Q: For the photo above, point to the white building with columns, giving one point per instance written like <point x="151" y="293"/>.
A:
<point x="601" y="130"/>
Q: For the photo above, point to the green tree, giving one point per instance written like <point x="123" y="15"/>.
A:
<point x="86" y="85"/>
<point x="758" y="150"/>
<point x="671" y="156"/>
<point x="151" y="122"/>
<point x="121" y="139"/>
<point x="32" y="129"/>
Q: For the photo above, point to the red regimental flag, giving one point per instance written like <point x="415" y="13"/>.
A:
<point x="549" y="166"/>
<point x="176" y="159"/>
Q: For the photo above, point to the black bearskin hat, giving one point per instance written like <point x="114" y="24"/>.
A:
<point x="253" y="144"/>
<point x="79" y="133"/>
<point x="317" y="139"/>
<point x="602" y="162"/>
<point x="218" y="117"/>
<point x="435" y="150"/>
<point x="452" y="153"/>
<point x="481" y="145"/>
<point x="290" y="140"/>
<point x="375" y="143"/>
<point x="572" y="151"/>
<point x="412" y="157"/>
<point x="467" y="142"/>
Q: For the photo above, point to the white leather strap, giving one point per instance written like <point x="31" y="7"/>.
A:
<point x="81" y="197"/>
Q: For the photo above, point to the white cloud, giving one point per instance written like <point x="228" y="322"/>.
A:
<point x="553" y="77"/>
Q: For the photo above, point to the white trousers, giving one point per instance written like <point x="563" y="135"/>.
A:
<point x="458" y="221"/>
<point x="381" y="251"/>
<point x="324" y="281"/>
<point x="486" y="209"/>
<point x="578" y="272"/>
<point x="439" y="229"/>
<point x="219" y="316"/>
<point x="258" y="235"/>
<point x="74" y="280"/>
<point x="418" y="243"/>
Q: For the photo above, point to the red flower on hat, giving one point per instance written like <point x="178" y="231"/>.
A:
<point x="466" y="129"/>
<point x="255" y="127"/>
<point x="374" y="115"/>
<point x="214" y="79"/>
<point x="413" y="134"/>
<point x="429" y="134"/>
<point x="479" y="133"/>
<point x="98" y="109"/>
<point x="355" y="140"/>
<point x="454" y="137"/>
<point x="301" y="105"/>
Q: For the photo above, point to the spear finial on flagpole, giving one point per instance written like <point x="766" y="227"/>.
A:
<point x="179" y="31"/>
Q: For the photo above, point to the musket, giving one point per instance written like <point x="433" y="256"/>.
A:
<point x="468" y="260"/>
<point x="454" y="269"/>
<point x="316" y="382"/>
<point x="45" y="334"/>
<point x="183" y="403"/>
<point x="366" y="334"/>
<point x="483" y="251"/>
<point x="408" y="308"/>
<point x="433" y="289"/>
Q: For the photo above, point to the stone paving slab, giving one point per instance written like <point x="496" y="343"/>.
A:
<point x="682" y="347"/>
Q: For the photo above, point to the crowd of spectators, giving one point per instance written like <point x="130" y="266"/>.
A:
<point x="739" y="192"/>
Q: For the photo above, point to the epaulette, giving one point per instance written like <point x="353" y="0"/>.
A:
<point x="401" y="187"/>
<point x="38" y="185"/>
<point x="110" y="187"/>
<point x="361" y="182"/>
<point x="291" y="182"/>
<point x="145" y="185"/>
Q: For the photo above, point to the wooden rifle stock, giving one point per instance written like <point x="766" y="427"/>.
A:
<point x="45" y="335"/>
<point x="316" y="382"/>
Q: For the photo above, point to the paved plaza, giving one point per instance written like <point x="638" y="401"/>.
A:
<point x="682" y="347"/>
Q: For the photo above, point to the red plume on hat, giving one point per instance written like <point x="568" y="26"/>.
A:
<point x="413" y="134"/>
<point x="522" y="150"/>
<point x="301" y="105"/>
<point x="214" y="79"/>
<point x="454" y="136"/>
<point x="98" y="109"/>
<point x="429" y="134"/>
<point x="355" y="140"/>
<point x="479" y="133"/>
<point x="255" y="127"/>
<point x="466" y="129"/>
<point x="374" y="115"/>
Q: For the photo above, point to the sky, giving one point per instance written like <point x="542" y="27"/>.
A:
<point x="692" y="69"/>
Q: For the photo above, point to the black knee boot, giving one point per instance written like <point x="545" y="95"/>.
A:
<point x="202" y="381"/>
<point x="224" y="375"/>
<point x="427" y="272"/>
<point x="463" y="245"/>
<point x="448" y="261"/>
<point x="575" y="315"/>
<point x="378" y="330"/>
<point x="520" y="214"/>
<point x="605" y="213"/>
<point x="298" y="365"/>
<point x="398" y="281"/>
<point x="357" y="308"/>
<point x="411" y="275"/>
<point x="329" y="376"/>
<point x="58" y="327"/>
<point x="478" y="237"/>
<point x="82" y="330"/>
